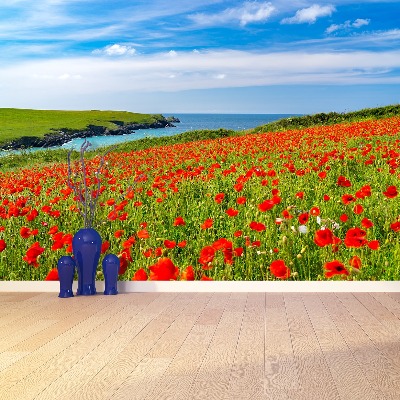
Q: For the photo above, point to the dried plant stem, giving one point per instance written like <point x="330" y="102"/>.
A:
<point x="87" y="198"/>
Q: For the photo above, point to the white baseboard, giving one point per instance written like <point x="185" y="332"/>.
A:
<point x="213" y="286"/>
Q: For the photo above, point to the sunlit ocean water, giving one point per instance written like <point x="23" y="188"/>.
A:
<point x="189" y="122"/>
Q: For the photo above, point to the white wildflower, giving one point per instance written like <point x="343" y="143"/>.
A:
<point x="303" y="229"/>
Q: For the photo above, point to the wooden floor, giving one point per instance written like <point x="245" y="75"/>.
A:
<point x="200" y="346"/>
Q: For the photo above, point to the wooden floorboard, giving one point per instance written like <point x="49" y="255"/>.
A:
<point x="184" y="346"/>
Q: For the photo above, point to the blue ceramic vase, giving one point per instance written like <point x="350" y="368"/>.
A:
<point x="66" y="272"/>
<point x="86" y="246"/>
<point x="110" y="270"/>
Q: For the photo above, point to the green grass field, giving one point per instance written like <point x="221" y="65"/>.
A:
<point x="16" y="123"/>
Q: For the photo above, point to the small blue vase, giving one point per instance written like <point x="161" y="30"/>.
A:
<point x="86" y="246"/>
<point x="110" y="270"/>
<point x="66" y="272"/>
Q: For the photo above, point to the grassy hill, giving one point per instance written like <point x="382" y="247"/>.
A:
<point x="20" y="122"/>
<point x="17" y="123"/>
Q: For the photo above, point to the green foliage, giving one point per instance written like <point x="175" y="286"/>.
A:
<point x="331" y="118"/>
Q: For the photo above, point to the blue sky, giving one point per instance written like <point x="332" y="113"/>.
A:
<point x="200" y="56"/>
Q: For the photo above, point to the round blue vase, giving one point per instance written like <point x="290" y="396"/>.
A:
<point x="66" y="272"/>
<point x="110" y="270"/>
<point x="86" y="246"/>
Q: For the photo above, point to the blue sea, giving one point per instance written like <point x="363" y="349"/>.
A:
<point x="188" y="122"/>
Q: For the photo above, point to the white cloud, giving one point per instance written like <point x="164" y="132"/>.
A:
<point x="358" y="23"/>
<point x="310" y="15"/>
<point x="115" y="50"/>
<point x="94" y="77"/>
<point x="249" y="12"/>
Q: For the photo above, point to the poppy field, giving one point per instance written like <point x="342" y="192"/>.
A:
<point x="318" y="203"/>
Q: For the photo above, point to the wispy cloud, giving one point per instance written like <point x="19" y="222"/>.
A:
<point x="116" y="50"/>
<point x="249" y="12"/>
<point x="310" y="14"/>
<point x="347" y="25"/>
<point x="101" y="76"/>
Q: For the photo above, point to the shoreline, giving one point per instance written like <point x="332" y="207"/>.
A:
<point x="62" y="136"/>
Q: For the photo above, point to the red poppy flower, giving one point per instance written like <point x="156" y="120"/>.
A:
<point x="25" y="232"/>
<point x="219" y="197"/>
<point x="32" y="215"/>
<point x="206" y="278"/>
<point x="355" y="237"/>
<point x="32" y="254"/>
<point x="355" y="262"/>
<point x="238" y="251"/>
<point x="276" y="199"/>
<point x="238" y="187"/>
<point x="188" y="274"/>
<point x="129" y="242"/>
<point x="238" y="233"/>
<point x="163" y="270"/>
<point x="52" y="275"/>
<point x="322" y="175"/>
<point x="366" y="223"/>
<point x="348" y="198"/>
<point x="143" y="234"/>
<point x="208" y="223"/>
<point x="232" y="212"/>
<point x="286" y="214"/>
<point x="323" y="237"/>
<point x="374" y="244"/>
<point x="343" y="181"/>
<point x="147" y="253"/>
<point x="279" y="269"/>
<point x="365" y="191"/>
<point x="257" y="226"/>
<point x="207" y="254"/>
<point x="303" y="218"/>
<point x="391" y="192"/>
<point x="358" y="209"/>
<point x="169" y="244"/>
<point x="300" y="195"/>
<point x="315" y="211"/>
<point x="266" y="205"/>
<point x="395" y="226"/>
<point x="119" y="233"/>
<point x="241" y="200"/>
<point x="140" y="275"/>
<point x="335" y="267"/>
<point x="326" y="197"/>
<point x="343" y="217"/>
<point x="105" y="246"/>
<point x="123" y="264"/>
<point x="53" y="230"/>
<point x="179" y="221"/>
<point x="3" y="245"/>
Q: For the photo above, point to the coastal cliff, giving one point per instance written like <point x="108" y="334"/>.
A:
<point x="60" y="136"/>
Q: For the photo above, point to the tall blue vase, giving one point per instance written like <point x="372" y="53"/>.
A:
<point x="86" y="246"/>
<point x="110" y="270"/>
<point x="66" y="272"/>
